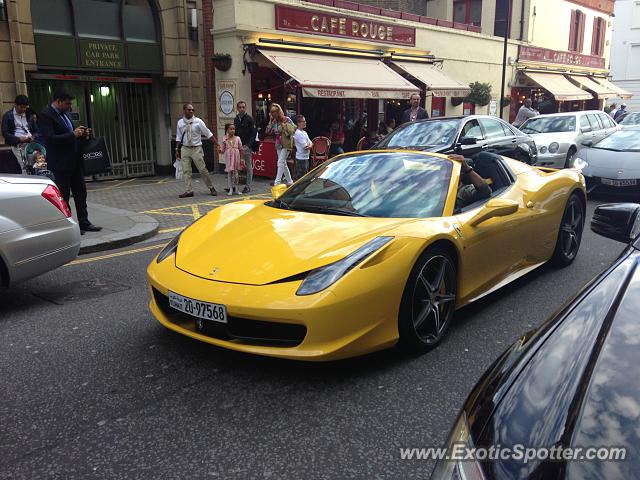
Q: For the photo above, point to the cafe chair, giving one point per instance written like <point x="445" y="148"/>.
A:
<point x="319" y="151"/>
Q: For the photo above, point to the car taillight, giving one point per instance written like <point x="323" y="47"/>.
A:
<point x="52" y="194"/>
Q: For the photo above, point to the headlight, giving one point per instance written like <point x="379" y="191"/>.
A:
<point x="453" y="468"/>
<point x="543" y="149"/>
<point x="554" y="147"/>
<point x="323" y="277"/>
<point x="171" y="247"/>
<point x="579" y="164"/>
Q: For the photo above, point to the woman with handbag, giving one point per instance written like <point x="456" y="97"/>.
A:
<point x="282" y="128"/>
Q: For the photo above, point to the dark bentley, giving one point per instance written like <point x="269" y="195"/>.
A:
<point x="573" y="382"/>
<point x="464" y="135"/>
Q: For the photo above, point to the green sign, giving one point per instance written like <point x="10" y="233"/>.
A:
<point x="100" y="54"/>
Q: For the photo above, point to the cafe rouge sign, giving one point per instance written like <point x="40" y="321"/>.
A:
<point x="319" y="23"/>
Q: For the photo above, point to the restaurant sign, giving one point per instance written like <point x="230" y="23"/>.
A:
<point x="535" y="54"/>
<point x="327" y="92"/>
<point x="335" y="25"/>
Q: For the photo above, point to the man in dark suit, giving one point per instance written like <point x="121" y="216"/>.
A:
<point x="415" y="112"/>
<point x="62" y="142"/>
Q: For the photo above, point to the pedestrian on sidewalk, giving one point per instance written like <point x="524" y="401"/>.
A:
<point x="62" y="142"/>
<point x="526" y="112"/>
<point x="189" y="148"/>
<point x="283" y="129"/>
<point x="303" y="147"/>
<point x="415" y="111"/>
<point x="16" y="129"/>
<point x="246" y="130"/>
<point x="231" y="148"/>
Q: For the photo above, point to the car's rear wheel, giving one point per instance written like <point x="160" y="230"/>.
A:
<point x="570" y="232"/>
<point x="572" y="151"/>
<point x="428" y="301"/>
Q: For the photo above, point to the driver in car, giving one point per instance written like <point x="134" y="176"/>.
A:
<point x="472" y="186"/>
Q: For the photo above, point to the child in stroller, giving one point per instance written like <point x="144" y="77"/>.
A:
<point x="34" y="160"/>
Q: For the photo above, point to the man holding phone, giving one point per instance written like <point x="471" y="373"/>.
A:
<point x="63" y="158"/>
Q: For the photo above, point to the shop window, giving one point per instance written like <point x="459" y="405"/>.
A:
<point x="501" y="20"/>
<point x="52" y="17"/>
<point x="492" y="128"/>
<point x="597" y="39"/>
<point x="138" y="22"/>
<point x="438" y="106"/>
<point x="468" y="108"/>
<point x="467" y="11"/>
<point x="98" y="18"/>
<point x="576" y="31"/>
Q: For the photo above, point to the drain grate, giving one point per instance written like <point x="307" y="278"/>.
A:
<point x="80" y="291"/>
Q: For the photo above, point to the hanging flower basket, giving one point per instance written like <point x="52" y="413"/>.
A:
<point x="480" y="93"/>
<point x="222" y="61"/>
<point x="506" y="100"/>
<point x="455" y="101"/>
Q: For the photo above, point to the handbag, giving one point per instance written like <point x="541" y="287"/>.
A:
<point x="95" y="156"/>
<point x="254" y="145"/>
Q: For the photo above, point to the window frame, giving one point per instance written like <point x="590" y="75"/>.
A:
<point x="467" y="14"/>
<point x="488" y="121"/>
<point x="576" y="31"/>
<point x="598" y="36"/>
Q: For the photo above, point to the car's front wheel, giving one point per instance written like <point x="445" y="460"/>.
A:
<point x="428" y="301"/>
<point x="570" y="232"/>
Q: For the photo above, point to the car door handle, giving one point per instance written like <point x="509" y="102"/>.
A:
<point x="529" y="204"/>
<point x="515" y="140"/>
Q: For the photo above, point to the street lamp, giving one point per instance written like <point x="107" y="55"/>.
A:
<point x="507" y="30"/>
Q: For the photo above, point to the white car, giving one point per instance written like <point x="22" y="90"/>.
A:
<point x="559" y="136"/>
<point x="37" y="232"/>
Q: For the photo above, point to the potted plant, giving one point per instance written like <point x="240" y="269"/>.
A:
<point x="455" y="101"/>
<point x="222" y="61"/>
<point x="506" y="100"/>
<point x="480" y="93"/>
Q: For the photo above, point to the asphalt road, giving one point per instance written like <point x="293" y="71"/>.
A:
<point x="94" y="387"/>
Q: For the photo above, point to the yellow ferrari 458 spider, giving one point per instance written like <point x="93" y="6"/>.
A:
<point x="367" y="250"/>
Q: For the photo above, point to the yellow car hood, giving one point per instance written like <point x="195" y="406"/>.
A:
<point x="251" y="243"/>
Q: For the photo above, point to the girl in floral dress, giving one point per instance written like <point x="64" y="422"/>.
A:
<point x="231" y="147"/>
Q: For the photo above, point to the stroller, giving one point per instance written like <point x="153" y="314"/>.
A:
<point x="34" y="160"/>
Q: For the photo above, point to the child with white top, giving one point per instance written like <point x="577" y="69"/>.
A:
<point x="303" y="147"/>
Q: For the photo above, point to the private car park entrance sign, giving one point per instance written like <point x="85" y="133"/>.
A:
<point x="335" y="25"/>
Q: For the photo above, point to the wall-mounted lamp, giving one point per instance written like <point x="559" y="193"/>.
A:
<point x="104" y="91"/>
<point x="193" y="30"/>
<point x="3" y="9"/>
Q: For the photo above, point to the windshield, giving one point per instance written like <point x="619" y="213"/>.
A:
<point x="383" y="184"/>
<point x="549" y="125"/>
<point x="622" y="140"/>
<point x="631" y="119"/>
<point x="422" y="134"/>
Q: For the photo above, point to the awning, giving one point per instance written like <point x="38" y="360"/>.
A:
<point x="561" y="88"/>
<point x="440" y="84"/>
<point x="619" y="92"/>
<point x="601" y="91"/>
<point x="332" y="76"/>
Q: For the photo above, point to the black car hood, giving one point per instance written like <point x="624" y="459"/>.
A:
<point x="570" y="383"/>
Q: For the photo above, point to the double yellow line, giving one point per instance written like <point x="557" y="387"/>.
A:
<point x="80" y="261"/>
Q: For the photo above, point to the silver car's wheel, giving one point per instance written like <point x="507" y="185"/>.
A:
<point x="429" y="301"/>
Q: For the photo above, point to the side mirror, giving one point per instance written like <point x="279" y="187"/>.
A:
<point x="585" y="130"/>
<point x="618" y="221"/>
<point x="496" y="207"/>
<point x="468" y="141"/>
<point x="588" y="143"/>
<point x="278" y="190"/>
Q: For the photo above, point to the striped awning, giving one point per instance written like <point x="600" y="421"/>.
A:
<point x="558" y="85"/>
<point x="601" y="91"/>
<point x="437" y="82"/>
<point x="335" y="76"/>
<point x="619" y="92"/>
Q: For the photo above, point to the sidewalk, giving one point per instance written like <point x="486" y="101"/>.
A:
<point x="134" y="210"/>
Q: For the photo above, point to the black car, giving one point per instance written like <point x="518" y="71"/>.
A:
<point x="573" y="382"/>
<point x="464" y="135"/>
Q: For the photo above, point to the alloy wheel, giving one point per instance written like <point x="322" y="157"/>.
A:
<point x="433" y="299"/>
<point x="571" y="229"/>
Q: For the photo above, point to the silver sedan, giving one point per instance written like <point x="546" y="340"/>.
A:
<point x="613" y="164"/>
<point x="37" y="232"/>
